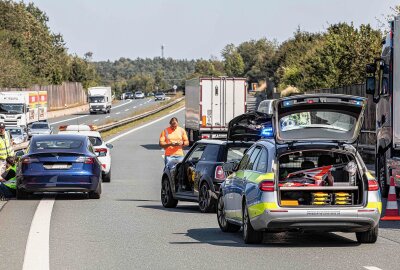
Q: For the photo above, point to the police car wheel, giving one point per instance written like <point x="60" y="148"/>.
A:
<point x="250" y="236"/>
<point x="107" y="177"/>
<point x="368" y="237"/>
<point x="224" y="225"/>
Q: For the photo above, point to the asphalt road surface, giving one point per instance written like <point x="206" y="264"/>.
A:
<point x="129" y="229"/>
<point x="120" y="109"/>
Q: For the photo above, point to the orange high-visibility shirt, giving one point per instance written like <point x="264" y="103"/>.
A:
<point x="179" y="134"/>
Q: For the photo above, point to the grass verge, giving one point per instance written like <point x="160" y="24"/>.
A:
<point x="107" y="134"/>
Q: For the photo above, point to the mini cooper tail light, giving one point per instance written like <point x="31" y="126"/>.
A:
<point x="268" y="186"/>
<point x="219" y="173"/>
<point x="373" y="185"/>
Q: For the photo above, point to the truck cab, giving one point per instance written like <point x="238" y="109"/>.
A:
<point x="100" y="99"/>
<point x="383" y="83"/>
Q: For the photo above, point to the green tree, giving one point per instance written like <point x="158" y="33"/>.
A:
<point x="234" y="65"/>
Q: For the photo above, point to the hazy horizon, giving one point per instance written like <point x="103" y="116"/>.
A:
<point x="194" y="29"/>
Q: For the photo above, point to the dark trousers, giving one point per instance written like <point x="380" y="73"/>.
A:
<point x="6" y="191"/>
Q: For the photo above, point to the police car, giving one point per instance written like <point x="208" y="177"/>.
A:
<point x="100" y="147"/>
<point x="304" y="174"/>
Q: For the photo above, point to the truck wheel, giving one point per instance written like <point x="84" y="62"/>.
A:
<point x="368" y="237"/>
<point x="381" y="174"/>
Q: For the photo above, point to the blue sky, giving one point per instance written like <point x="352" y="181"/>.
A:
<point x="194" y="29"/>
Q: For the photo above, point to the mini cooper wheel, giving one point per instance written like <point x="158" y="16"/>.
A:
<point x="167" y="199"/>
<point x="250" y="236"/>
<point x="206" y="202"/>
<point x="224" y="225"/>
<point x="368" y="237"/>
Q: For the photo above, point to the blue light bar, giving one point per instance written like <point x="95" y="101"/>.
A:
<point x="287" y="103"/>
<point x="267" y="132"/>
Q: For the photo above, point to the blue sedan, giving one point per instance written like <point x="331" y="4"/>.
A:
<point x="59" y="163"/>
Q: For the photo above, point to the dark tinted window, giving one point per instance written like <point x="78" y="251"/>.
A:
<point x="262" y="161"/>
<point x="210" y="153"/>
<point x="40" y="126"/>
<point x="196" y="154"/>
<point x="96" y="141"/>
<point x="253" y="158"/>
<point x="245" y="159"/>
<point x="57" y="144"/>
<point x="235" y="153"/>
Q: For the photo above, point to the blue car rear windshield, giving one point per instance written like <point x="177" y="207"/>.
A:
<point x="57" y="144"/>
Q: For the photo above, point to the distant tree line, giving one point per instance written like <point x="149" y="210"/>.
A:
<point x="31" y="54"/>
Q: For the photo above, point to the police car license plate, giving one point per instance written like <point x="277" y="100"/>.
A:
<point x="322" y="213"/>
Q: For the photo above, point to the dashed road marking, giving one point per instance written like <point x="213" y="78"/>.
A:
<point x="118" y="112"/>
<point x="372" y="268"/>
<point x="37" y="247"/>
<point x="107" y="116"/>
<point x="127" y="110"/>
<point x="95" y="120"/>
<point x="134" y="107"/>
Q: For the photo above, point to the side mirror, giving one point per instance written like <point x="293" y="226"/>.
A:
<point x="109" y="146"/>
<point x="370" y="85"/>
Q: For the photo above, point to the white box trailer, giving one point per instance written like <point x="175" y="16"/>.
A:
<point x="21" y="108"/>
<point x="100" y="99"/>
<point x="211" y="103"/>
<point x="383" y="83"/>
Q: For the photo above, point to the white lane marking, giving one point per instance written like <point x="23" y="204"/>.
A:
<point x="140" y="104"/>
<point x="127" y="110"/>
<point x="70" y="119"/>
<point x="66" y="120"/>
<point x="134" y="107"/>
<point x="95" y="120"/>
<point x="372" y="268"/>
<point x="145" y="125"/>
<point x="37" y="246"/>
<point x="107" y="116"/>
<point x="126" y="103"/>
<point x="118" y="112"/>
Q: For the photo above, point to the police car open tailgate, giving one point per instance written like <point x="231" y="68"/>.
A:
<point x="322" y="117"/>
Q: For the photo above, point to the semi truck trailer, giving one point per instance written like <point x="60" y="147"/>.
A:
<point x="211" y="103"/>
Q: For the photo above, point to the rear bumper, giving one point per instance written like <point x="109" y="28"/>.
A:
<point x="314" y="220"/>
<point x="58" y="183"/>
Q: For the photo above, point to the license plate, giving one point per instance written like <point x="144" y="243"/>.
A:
<point x="322" y="213"/>
<point x="57" y="166"/>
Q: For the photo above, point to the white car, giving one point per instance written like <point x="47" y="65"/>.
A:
<point x="139" y="94"/>
<point x="100" y="147"/>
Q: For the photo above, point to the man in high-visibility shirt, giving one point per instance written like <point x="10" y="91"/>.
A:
<point x="6" y="148"/>
<point x="173" y="139"/>
<point x="8" y="180"/>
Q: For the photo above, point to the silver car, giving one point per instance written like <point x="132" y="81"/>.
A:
<point x="40" y="128"/>
<point x="18" y="134"/>
<point x="304" y="175"/>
